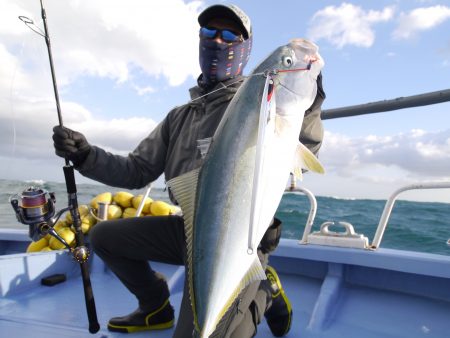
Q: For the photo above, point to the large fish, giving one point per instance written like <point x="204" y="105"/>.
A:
<point x="229" y="202"/>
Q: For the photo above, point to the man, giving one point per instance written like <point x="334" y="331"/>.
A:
<point x="126" y="245"/>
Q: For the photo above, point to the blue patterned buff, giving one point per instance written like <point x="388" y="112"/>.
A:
<point x="223" y="61"/>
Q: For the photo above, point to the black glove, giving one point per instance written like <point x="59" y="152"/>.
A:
<point x="70" y="144"/>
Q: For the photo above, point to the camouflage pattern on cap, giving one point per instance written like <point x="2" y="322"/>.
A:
<point x="232" y="12"/>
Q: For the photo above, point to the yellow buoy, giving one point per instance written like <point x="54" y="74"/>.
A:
<point x="87" y="222"/>
<point x="123" y="199"/>
<point x="105" y="197"/>
<point x="67" y="234"/>
<point x="129" y="212"/>
<point x="160" y="208"/>
<point x="60" y="224"/>
<point x="114" y="211"/>
<point x="38" y="245"/>
<point x="82" y="209"/>
<point x="137" y="200"/>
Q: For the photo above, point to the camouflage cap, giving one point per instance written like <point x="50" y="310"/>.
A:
<point x="231" y="12"/>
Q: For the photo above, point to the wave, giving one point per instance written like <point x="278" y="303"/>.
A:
<point x="36" y="182"/>
<point x="342" y="198"/>
<point x="420" y="226"/>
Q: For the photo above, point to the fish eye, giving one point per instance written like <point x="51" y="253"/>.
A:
<point x="287" y="61"/>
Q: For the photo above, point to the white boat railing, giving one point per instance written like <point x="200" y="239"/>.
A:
<point x="312" y="210"/>
<point x="345" y="238"/>
<point x="349" y="238"/>
<point x="390" y="204"/>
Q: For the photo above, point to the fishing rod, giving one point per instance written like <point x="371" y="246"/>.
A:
<point x="38" y="211"/>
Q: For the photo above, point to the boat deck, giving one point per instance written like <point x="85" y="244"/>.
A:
<point x="335" y="293"/>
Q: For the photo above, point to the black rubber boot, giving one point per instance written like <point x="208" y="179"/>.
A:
<point x="140" y="320"/>
<point x="279" y="314"/>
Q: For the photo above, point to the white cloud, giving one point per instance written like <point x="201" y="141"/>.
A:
<point x="374" y="166"/>
<point x="143" y="90"/>
<point x="110" y="38"/>
<point x="26" y="132"/>
<point x="416" y="154"/>
<point x="347" y="24"/>
<point x="28" y="113"/>
<point x="98" y="38"/>
<point x="420" y="19"/>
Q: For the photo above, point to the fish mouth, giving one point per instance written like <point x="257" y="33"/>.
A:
<point x="303" y="47"/>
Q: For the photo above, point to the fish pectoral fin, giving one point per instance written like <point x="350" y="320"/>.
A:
<point x="304" y="158"/>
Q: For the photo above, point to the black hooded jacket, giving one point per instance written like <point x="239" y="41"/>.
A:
<point x="172" y="147"/>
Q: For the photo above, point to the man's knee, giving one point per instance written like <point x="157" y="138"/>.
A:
<point x="101" y="236"/>
<point x="272" y="237"/>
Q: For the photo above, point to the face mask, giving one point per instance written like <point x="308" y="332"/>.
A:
<point x="223" y="61"/>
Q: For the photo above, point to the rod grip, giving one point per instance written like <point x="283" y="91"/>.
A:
<point x="89" y="298"/>
<point x="88" y="293"/>
<point x="70" y="179"/>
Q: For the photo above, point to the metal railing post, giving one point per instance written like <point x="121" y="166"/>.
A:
<point x="390" y="204"/>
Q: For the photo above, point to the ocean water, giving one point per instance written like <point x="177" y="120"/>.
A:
<point x="413" y="226"/>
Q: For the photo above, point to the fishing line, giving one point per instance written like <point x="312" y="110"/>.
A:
<point x="266" y="73"/>
<point x="27" y="52"/>
<point x="216" y="90"/>
<point x="288" y="89"/>
<point x="307" y="68"/>
<point x="12" y="106"/>
<point x="13" y="110"/>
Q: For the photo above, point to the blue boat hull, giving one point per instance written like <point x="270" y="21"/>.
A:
<point x="336" y="292"/>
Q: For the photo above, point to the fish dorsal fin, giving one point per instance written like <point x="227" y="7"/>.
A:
<point x="304" y="158"/>
<point x="184" y="189"/>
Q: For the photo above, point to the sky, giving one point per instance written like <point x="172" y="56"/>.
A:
<point x="122" y="65"/>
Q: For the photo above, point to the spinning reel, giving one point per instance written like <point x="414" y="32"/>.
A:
<point x="35" y="207"/>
